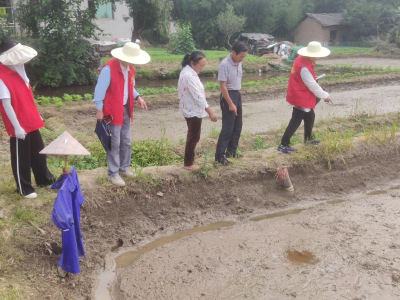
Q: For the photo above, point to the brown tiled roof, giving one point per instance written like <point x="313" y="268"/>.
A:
<point x="327" y="19"/>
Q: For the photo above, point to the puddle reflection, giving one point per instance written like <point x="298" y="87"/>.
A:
<point x="277" y="215"/>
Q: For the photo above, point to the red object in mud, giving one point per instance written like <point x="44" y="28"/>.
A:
<point x="283" y="175"/>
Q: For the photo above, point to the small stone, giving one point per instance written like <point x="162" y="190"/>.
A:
<point x="1" y="214"/>
<point x="160" y="194"/>
<point x="237" y="200"/>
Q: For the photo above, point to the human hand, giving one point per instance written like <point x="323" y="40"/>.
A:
<point x="233" y="108"/>
<point x="328" y="100"/>
<point x="20" y="133"/>
<point x="99" y="115"/>
<point x="213" y="117"/>
<point x="141" y="103"/>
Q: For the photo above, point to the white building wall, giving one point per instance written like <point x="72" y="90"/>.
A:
<point x="115" y="27"/>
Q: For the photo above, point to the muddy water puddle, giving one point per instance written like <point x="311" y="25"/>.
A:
<point x="107" y="277"/>
<point x="333" y="202"/>
<point x="277" y="215"/>
<point x="374" y="193"/>
<point x="303" y="257"/>
<point x="128" y="258"/>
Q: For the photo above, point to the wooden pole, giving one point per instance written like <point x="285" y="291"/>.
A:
<point x="65" y="163"/>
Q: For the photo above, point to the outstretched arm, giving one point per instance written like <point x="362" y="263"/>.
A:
<point x="19" y="131"/>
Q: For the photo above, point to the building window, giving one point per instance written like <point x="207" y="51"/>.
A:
<point x="104" y="11"/>
<point x="7" y="10"/>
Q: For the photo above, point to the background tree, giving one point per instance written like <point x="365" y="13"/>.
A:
<point x="181" y="42"/>
<point x="148" y="15"/>
<point x="229" y="23"/>
<point x="58" y="30"/>
<point x="201" y="16"/>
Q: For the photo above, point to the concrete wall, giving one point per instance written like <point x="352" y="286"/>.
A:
<point x="115" y="27"/>
<point x="310" y="30"/>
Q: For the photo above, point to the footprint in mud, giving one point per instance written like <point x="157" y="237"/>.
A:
<point x="303" y="257"/>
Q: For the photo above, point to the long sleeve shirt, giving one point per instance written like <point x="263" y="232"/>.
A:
<point x="192" y="97"/>
<point x="313" y="86"/>
<point x="103" y="82"/>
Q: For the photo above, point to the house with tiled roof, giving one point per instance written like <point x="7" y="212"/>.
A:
<point x="328" y="29"/>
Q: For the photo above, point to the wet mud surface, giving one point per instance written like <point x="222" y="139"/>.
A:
<point x="345" y="251"/>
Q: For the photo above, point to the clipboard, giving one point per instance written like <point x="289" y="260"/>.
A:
<point x="104" y="133"/>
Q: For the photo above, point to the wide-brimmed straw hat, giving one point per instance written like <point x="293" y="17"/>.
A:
<point x="132" y="54"/>
<point x="314" y="49"/>
<point x="13" y="53"/>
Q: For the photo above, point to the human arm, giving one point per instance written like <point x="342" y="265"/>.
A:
<point x="103" y="82"/>
<point x="141" y="103"/>
<point x="211" y="114"/>
<point x="223" y="78"/>
<point x="9" y="110"/>
<point x="225" y="94"/>
<point x="313" y="86"/>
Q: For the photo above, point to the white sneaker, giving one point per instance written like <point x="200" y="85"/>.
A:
<point x="31" y="196"/>
<point x="116" y="180"/>
<point x="127" y="173"/>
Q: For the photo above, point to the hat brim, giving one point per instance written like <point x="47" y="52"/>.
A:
<point x="20" y="56"/>
<point x="324" y="52"/>
<point x="141" y="59"/>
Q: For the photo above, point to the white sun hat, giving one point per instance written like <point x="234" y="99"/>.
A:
<point x="14" y="53"/>
<point x="132" y="54"/>
<point x="314" y="49"/>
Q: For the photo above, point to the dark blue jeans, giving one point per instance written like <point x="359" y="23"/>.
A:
<point x="228" y="140"/>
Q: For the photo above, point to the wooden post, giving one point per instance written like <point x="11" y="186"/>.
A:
<point x="65" y="163"/>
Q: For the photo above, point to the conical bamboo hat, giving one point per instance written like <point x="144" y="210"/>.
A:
<point x="65" y="144"/>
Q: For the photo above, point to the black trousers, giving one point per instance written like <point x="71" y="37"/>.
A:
<point x="192" y="138"/>
<point x="24" y="157"/>
<point x="299" y="115"/>
<point x="228" y="140"/>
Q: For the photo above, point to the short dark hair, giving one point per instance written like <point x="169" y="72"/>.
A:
<point x="194" y="57"/>
<point x="7" y="43"/>
<point x="240" y="47"/>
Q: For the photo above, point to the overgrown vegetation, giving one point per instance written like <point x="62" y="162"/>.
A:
<point x="58" y="30"/>
<point x="181" y="42"/>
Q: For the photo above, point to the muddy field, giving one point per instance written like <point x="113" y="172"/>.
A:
<point x="345" y="248"/>
<point x="329" y="239"/>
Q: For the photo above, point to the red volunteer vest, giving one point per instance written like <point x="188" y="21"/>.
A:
<point x="21" y="101"/>
<point x="114" y="100"/>
<point x="298" y="93"/>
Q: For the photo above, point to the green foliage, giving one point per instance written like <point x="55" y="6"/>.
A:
<point x="153" y="153"/>
<point x="229" y="23"/>
<point x="77" y="98"/>
<point x="207" y="166"/>
<point x="88" y="97"/>
<point x="148" y="15"/>
<point x="23" y="215"/>
<point x="58" y="31"/>
<point x="181" y="42"/>
<point x="260" y="144"/>
<point x="67" y="98"/>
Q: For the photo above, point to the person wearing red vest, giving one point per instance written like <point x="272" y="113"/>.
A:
<point x="114" y="96"/>
<point x="21" y="118"/>
<point x="302" y="94"/>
